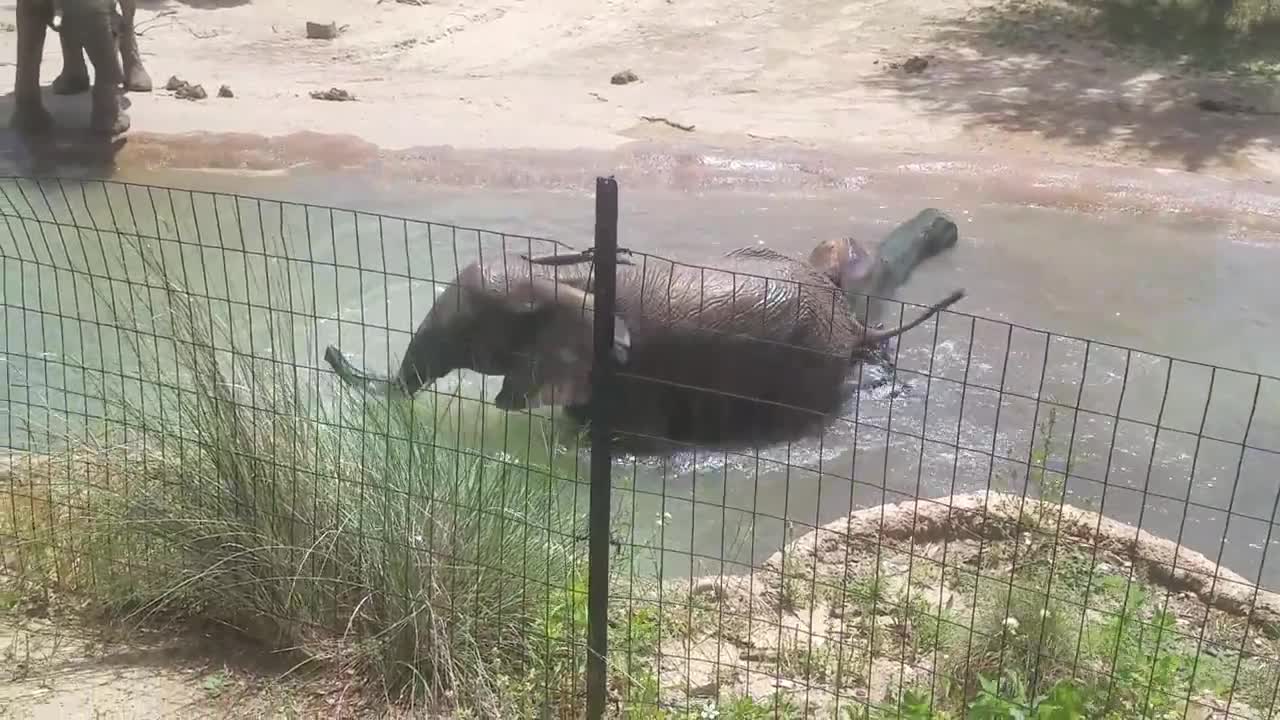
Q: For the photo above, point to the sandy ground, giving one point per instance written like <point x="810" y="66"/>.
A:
<point x="59" y="664"/>
<point x="490" y="74"/>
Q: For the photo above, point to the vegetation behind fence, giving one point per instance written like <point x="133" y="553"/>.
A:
<point x="1004" y="521"/>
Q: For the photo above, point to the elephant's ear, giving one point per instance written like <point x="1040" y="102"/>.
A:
<point x="557" y="371"/>
<point x="556" y="367"/>
<point x="572" y="306"/>
<point x="844" y="261"/>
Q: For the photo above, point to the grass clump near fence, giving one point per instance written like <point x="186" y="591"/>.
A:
<point x="345" y="528"/>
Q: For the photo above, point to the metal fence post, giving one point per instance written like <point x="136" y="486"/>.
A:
<point x="602" y="371"/>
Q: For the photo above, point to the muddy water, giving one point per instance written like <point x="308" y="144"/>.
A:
<point x="1170" y="265"/>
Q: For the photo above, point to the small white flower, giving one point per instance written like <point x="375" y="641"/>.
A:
<point x="709" y="711"/>
<point x="1011" y="623"/>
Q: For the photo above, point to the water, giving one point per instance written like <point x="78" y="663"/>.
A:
<point x="1195" y="286"/>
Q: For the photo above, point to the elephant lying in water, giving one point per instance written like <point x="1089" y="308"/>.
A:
<point x="754" y="352"/>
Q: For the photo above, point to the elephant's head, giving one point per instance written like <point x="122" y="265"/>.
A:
<point x="845" y="261"/>
<point x="535" y="331"/>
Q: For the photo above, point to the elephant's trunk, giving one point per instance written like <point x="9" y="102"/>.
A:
<point x="873" y="337"/>
<point x="354" y="377"/>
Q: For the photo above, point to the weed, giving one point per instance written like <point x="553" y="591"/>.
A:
<point x="794" y="574"/>
<point x="215" y="684"/>
<point x="745" y="707"/>
<point x="1016" y="628"/>
<point x="1009" y="700"/>
<point x="809" y="665"/>
<point x="868" y="594"/>
<point x="1259" y="683"/>
<point x="1138" y="651"/>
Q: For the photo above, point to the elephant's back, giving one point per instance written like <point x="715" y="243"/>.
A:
<point x="769" y="298"/>
<point x="752" y="350"/>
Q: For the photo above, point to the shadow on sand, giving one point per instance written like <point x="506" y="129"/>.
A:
<point x="69" y="149"/>
<point x="1095" y="73"/>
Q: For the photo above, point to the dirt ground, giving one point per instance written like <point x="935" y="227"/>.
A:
<point x="1010" y="77"/>
<point x="58" y="663"/>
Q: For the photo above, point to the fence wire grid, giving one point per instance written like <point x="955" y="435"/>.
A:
<point x="1000" y="522"/>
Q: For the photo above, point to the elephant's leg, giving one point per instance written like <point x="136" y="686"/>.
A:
<point x="74" y="77"/>
<point x="136" y="77"/>
<point x="92" y="27"/>
<point x="514" y="394"/>
<point x="29" y="113"/>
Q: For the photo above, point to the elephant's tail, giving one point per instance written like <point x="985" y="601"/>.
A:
<point x="357" y="378"/>
<point x="873" y="337"/>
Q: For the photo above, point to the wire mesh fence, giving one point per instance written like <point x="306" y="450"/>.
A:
<point x="988" y="521"/>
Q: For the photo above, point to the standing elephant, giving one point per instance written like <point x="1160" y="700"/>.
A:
<point x="87" y="24"/>
<point x="75" y="75"/>
<point x="754" y="353"/>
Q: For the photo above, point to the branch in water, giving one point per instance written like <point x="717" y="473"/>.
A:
<point x="557" y="259"/>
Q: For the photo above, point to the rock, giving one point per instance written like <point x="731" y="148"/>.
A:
<point x="915" y="65"/>
<point x="190" y="92"/>
<point x="333" y="94"/>
<point x="624" y="77"/>
<point x="1234" y="105"/>
<point x="184" y="90"/>
<point x="225" y="92"/>
<point x="702" y="666"/>
<point x="322" y="31"/>
<point x="707" y="587"/>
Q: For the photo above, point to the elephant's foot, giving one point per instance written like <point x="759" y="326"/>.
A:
<point x="509" y="399"/>
<point x="70" y="83"/>
<point x="110" y="124"/>
<point x="136" y="79"/>
<point x="31" y="118"/>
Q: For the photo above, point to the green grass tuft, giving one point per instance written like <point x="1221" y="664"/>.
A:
<point x="355" y="530"/>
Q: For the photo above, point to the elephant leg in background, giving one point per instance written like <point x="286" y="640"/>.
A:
<point x="74" y="78"/>
<point x="29" y="113"/>
<point x="136" y="77"/>
<point x="90" y="23"/>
